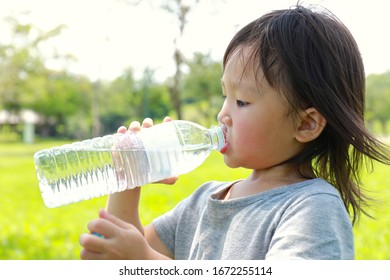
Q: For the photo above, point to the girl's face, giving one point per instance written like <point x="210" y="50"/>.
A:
<point x="259" y="132"/>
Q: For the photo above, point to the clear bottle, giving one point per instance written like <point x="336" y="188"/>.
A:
<point x="114" y="163"/>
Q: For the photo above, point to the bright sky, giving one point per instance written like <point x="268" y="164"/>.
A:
<point x="107" y="36"/>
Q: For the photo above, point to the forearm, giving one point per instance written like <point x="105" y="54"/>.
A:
<point x="124" y="205"/>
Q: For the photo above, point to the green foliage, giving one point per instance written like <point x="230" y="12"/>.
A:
<point x="126" y="99"/>
<point x="202" y="86"/>
<point x="378" y="99"/>
<point x="32" y="231"/>
<point x="20" y="60"/>
<point x="75" y="107"/>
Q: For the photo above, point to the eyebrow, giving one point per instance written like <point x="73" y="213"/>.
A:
<point x="242" y="85"/>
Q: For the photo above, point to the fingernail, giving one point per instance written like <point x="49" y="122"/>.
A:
<point x="102" y="212"/>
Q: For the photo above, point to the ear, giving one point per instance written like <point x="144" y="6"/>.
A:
<point x="312" y="123"/>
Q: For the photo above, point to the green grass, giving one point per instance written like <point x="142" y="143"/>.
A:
<point x="29" y="230"/>
<point x="372" y="236"/>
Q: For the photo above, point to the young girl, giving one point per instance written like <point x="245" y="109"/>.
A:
<point x="293" y="84"/>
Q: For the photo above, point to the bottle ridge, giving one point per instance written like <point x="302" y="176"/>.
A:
<point x="114" y="163"/>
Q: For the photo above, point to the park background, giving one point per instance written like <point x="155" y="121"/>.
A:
<point x="72" y="70"/>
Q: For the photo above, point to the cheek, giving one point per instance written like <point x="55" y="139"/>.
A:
<point x="248" y="136"/>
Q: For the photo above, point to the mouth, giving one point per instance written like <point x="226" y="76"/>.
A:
<point x="224" y="131"/>
<point x="226" y="145"/>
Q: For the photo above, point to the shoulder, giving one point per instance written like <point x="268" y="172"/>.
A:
<point x="315" y="189"/>
<point x="313" y="224"/>
<point x="307" y="194"/>
<point x="314" y="197"/>
<point x="315" y="208"/>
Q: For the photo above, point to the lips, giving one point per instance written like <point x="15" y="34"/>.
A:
<point x="226" y="146"/>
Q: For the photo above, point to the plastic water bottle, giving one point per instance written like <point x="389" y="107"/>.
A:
<point x="114" y="163"/>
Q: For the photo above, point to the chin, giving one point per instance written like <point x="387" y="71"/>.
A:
<point x="231" y="163"/>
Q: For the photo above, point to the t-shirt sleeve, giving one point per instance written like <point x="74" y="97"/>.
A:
<point x="166" y="225"/>
<point x="177" y="227"/>
<point x="317" y="227"/>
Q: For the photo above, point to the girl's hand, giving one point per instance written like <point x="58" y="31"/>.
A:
<point x="135" y="126"/>
<point x="119" y="240"/>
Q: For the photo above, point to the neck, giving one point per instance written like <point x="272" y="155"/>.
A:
<point x="267" y="179"/>
<point x="305" y="170"/>
<point x="280" y="175"/>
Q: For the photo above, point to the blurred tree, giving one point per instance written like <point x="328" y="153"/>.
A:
<point x="126" y="100"/>
<point x="21" y="59"/>
<point x="378" y="99"/>
<point x="155" y="98"/>
<point x="63" y="96"/>
<point x="56" y="96"/>
<point x="119" y="102"/>
<point x="180" y="9"/>
<point x="25" y="81"/>
<point x="202" y="86"/>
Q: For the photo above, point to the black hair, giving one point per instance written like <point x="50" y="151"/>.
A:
<point x="311" y="58"/>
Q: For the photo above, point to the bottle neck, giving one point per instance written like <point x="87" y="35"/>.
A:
<point x="217" y="137"/>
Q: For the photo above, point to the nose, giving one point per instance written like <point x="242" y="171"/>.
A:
<point x="221" y="112"/>
<point x="223" y="115"/>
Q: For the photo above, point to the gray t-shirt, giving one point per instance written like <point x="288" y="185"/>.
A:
<point x="306" y="220"/>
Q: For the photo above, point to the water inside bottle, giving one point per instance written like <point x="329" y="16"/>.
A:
<point x="100" y="166"/>
<point x="71" y="176"/>
<point x="67" y="176"/>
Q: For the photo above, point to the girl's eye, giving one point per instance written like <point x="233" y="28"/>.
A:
<point x="241" y="103"/>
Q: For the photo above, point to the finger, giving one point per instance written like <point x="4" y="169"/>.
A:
<point x="88" y="255"/>
<point x="103" y="214"/>
<point x="122" y="129"/>
<point x="169" y="181"/>
<point x="147" y="122"/>
<point x="167" y="119"/>
<point x="135" y="126"/>
<point x="103" y="229"/>
<point x="91" y="243"/>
